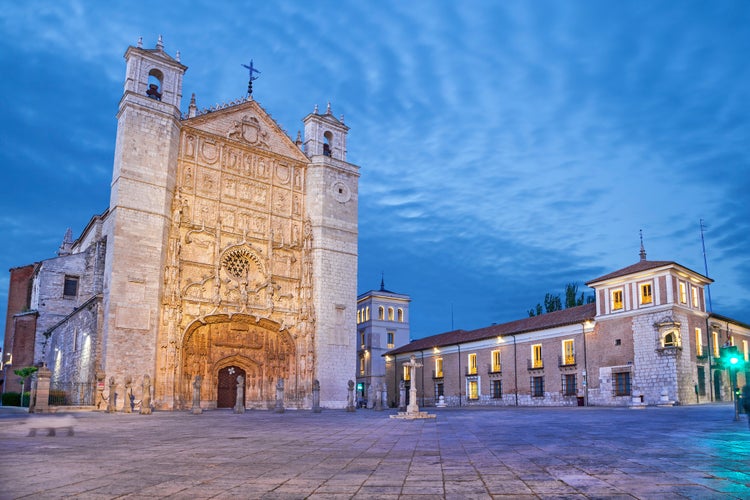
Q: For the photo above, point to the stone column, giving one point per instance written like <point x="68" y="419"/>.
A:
<point x="316" y="396"/>
<point x="146" y="395"/>
<point x="279" y="396"/>
<point x="196" y="410"/>
<point x="239" y="404"/>
<point x="350" y="397"/>
<point x="42" y="390"/>
<point x="112" y="395"/>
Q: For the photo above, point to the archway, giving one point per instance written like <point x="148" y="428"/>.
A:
<point x="226" y="392"/>
<point x="257" y="349"/>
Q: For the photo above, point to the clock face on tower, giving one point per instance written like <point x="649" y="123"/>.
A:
<point x="341" y="192"/>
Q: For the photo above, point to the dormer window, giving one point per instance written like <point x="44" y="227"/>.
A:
<point x="617" y="303"/>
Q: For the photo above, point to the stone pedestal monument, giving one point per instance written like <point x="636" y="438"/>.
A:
<point x="279" y="396"/>
<point x="412" y="410"/>
<point x="350" y="397"/>
<point x="239" y="404"/>
<point x="145" y="395"/>
<point x="316" y="396"/>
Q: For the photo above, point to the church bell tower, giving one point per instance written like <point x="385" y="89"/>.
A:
<point x="143" y="184"/>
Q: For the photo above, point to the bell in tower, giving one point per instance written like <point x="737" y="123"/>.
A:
<point x="325" y="135"/>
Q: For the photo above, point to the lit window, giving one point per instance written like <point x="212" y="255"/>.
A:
<point x="747" y="353"/>
<point x="497" y="389"/>
<point x="362" y="339"/>
<point x="407" y="373"/>
<point x="683" y="293"/>
<point x="622" y="384"/>
<point x="698" y="342"/>
<point x="390" y="314"/>
<point x="715" y="339"/>
<point x="70" y="288"/>
<point x="569" y="354"/>
<point x="569" y="384"/>
<point x="496" y="366"/>
<point x="438" y="367"/>
<point x="617" y="299"/>
<point x="361" y="365"/>
<point x="472" y="368"/>
<point x="400" y="315"/>
<point x="390" y="340"/>
<point x="646" y="293"/>
<point x="473" y="389"/>
<point x="536" y="356"/>
<point x="537" y="387"/>
<point x="694" y="293"/>
<point x="359" y="316"/>
<point x="381" y="313"/>
<point x="367" y="313"/>
<point x="671" y="339"/>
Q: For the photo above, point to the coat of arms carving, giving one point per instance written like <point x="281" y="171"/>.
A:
<point x="249" y="130"/>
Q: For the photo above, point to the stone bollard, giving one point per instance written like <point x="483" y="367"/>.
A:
<point x="350" y="397"/>
<point x="316" y="396"/>
<point x="112" y="395"/>
<point x="279" y="396"/>
<point x="196" y="410"/>
<point x="43" y="376"/>
<point x="127" y="399"/>
<point x="146" y="395"/>
<point x="378" y="398"/>
<point x="239" y="403"/>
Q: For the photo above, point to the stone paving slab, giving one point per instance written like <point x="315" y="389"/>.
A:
<point x="577" y="453"/>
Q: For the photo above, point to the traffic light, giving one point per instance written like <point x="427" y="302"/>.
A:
<point x="731" y="358"/>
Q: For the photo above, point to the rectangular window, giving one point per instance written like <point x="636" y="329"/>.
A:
<point x="471" y="369"/>
<point x="701" y="381"/>
<point x="617" y="299"/>
<point x="683" y="292"/>
<point x="497" y="389"/>
<point x="473" y="389"/>
<point x="694" y="293"/>
<point x="496" y="366"/>
<point x="646" y="293"/>
<point x="569" y="384"/>
<point x="438" y="367"/>
<point x="390" y="340"/>
<point x="698" y="342"/>
<point x="537" y="387"/>
<point x="622" y="384"/>
<point x="536" y="356"/>
<point x="362" y="339"/>
<point x="439" y="390"/>
<point x="715" y="342"/>
<point x="361" y="365"/>
<point x="70" y="288"/>
<point x="747" y="355"/>
<point x="407" y="373"/>
<point x="569" y="354"/>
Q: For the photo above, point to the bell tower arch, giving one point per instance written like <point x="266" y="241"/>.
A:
<point x="137" y="225"/>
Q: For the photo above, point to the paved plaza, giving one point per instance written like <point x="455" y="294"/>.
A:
<point x="679" y="452"/>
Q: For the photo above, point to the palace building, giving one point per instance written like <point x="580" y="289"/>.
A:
<point x="646" y="340"/>
<point x="228" y="249"/>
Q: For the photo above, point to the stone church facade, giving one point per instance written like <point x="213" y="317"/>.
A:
<point x="227" y="249"/>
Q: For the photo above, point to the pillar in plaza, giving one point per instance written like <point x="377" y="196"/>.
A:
<point x="42" y="390"/>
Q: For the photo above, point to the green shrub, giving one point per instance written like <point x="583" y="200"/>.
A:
<point x="26" y="399"/>
<point x="11" y="399"/>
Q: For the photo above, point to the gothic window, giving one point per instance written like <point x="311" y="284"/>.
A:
<point x="70" y="287"/>
<point x="671" y="339"/>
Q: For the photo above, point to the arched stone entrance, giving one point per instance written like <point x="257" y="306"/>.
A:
<point x="227" y="386"/>
<point x="255" y="349"/>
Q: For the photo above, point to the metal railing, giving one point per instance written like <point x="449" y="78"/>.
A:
<point x="72" y="393"/>
<point x="566" y="360"/>
<point x="535" y="364"/>
<point x="494" y="369"/>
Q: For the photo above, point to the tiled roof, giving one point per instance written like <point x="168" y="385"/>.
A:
<point x="643" y="265"/>
<point x="568" y="316"/>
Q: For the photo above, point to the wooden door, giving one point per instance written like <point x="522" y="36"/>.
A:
<point x="227" y="393"/>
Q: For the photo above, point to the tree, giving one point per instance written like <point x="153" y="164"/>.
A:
<point x="554" y="303"/>
<point x="25" y="373"/>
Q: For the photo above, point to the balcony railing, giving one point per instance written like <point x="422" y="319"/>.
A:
<point x="494" y="369"/>
<point x="437" y="375"/>
<point x="703" y="353"/>
<point x="471" y="370"/>
<point x="535" y="364"/>
<point x="566" y="360"/>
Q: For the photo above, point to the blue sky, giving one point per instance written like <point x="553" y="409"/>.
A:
<point x="506" y="148"/>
